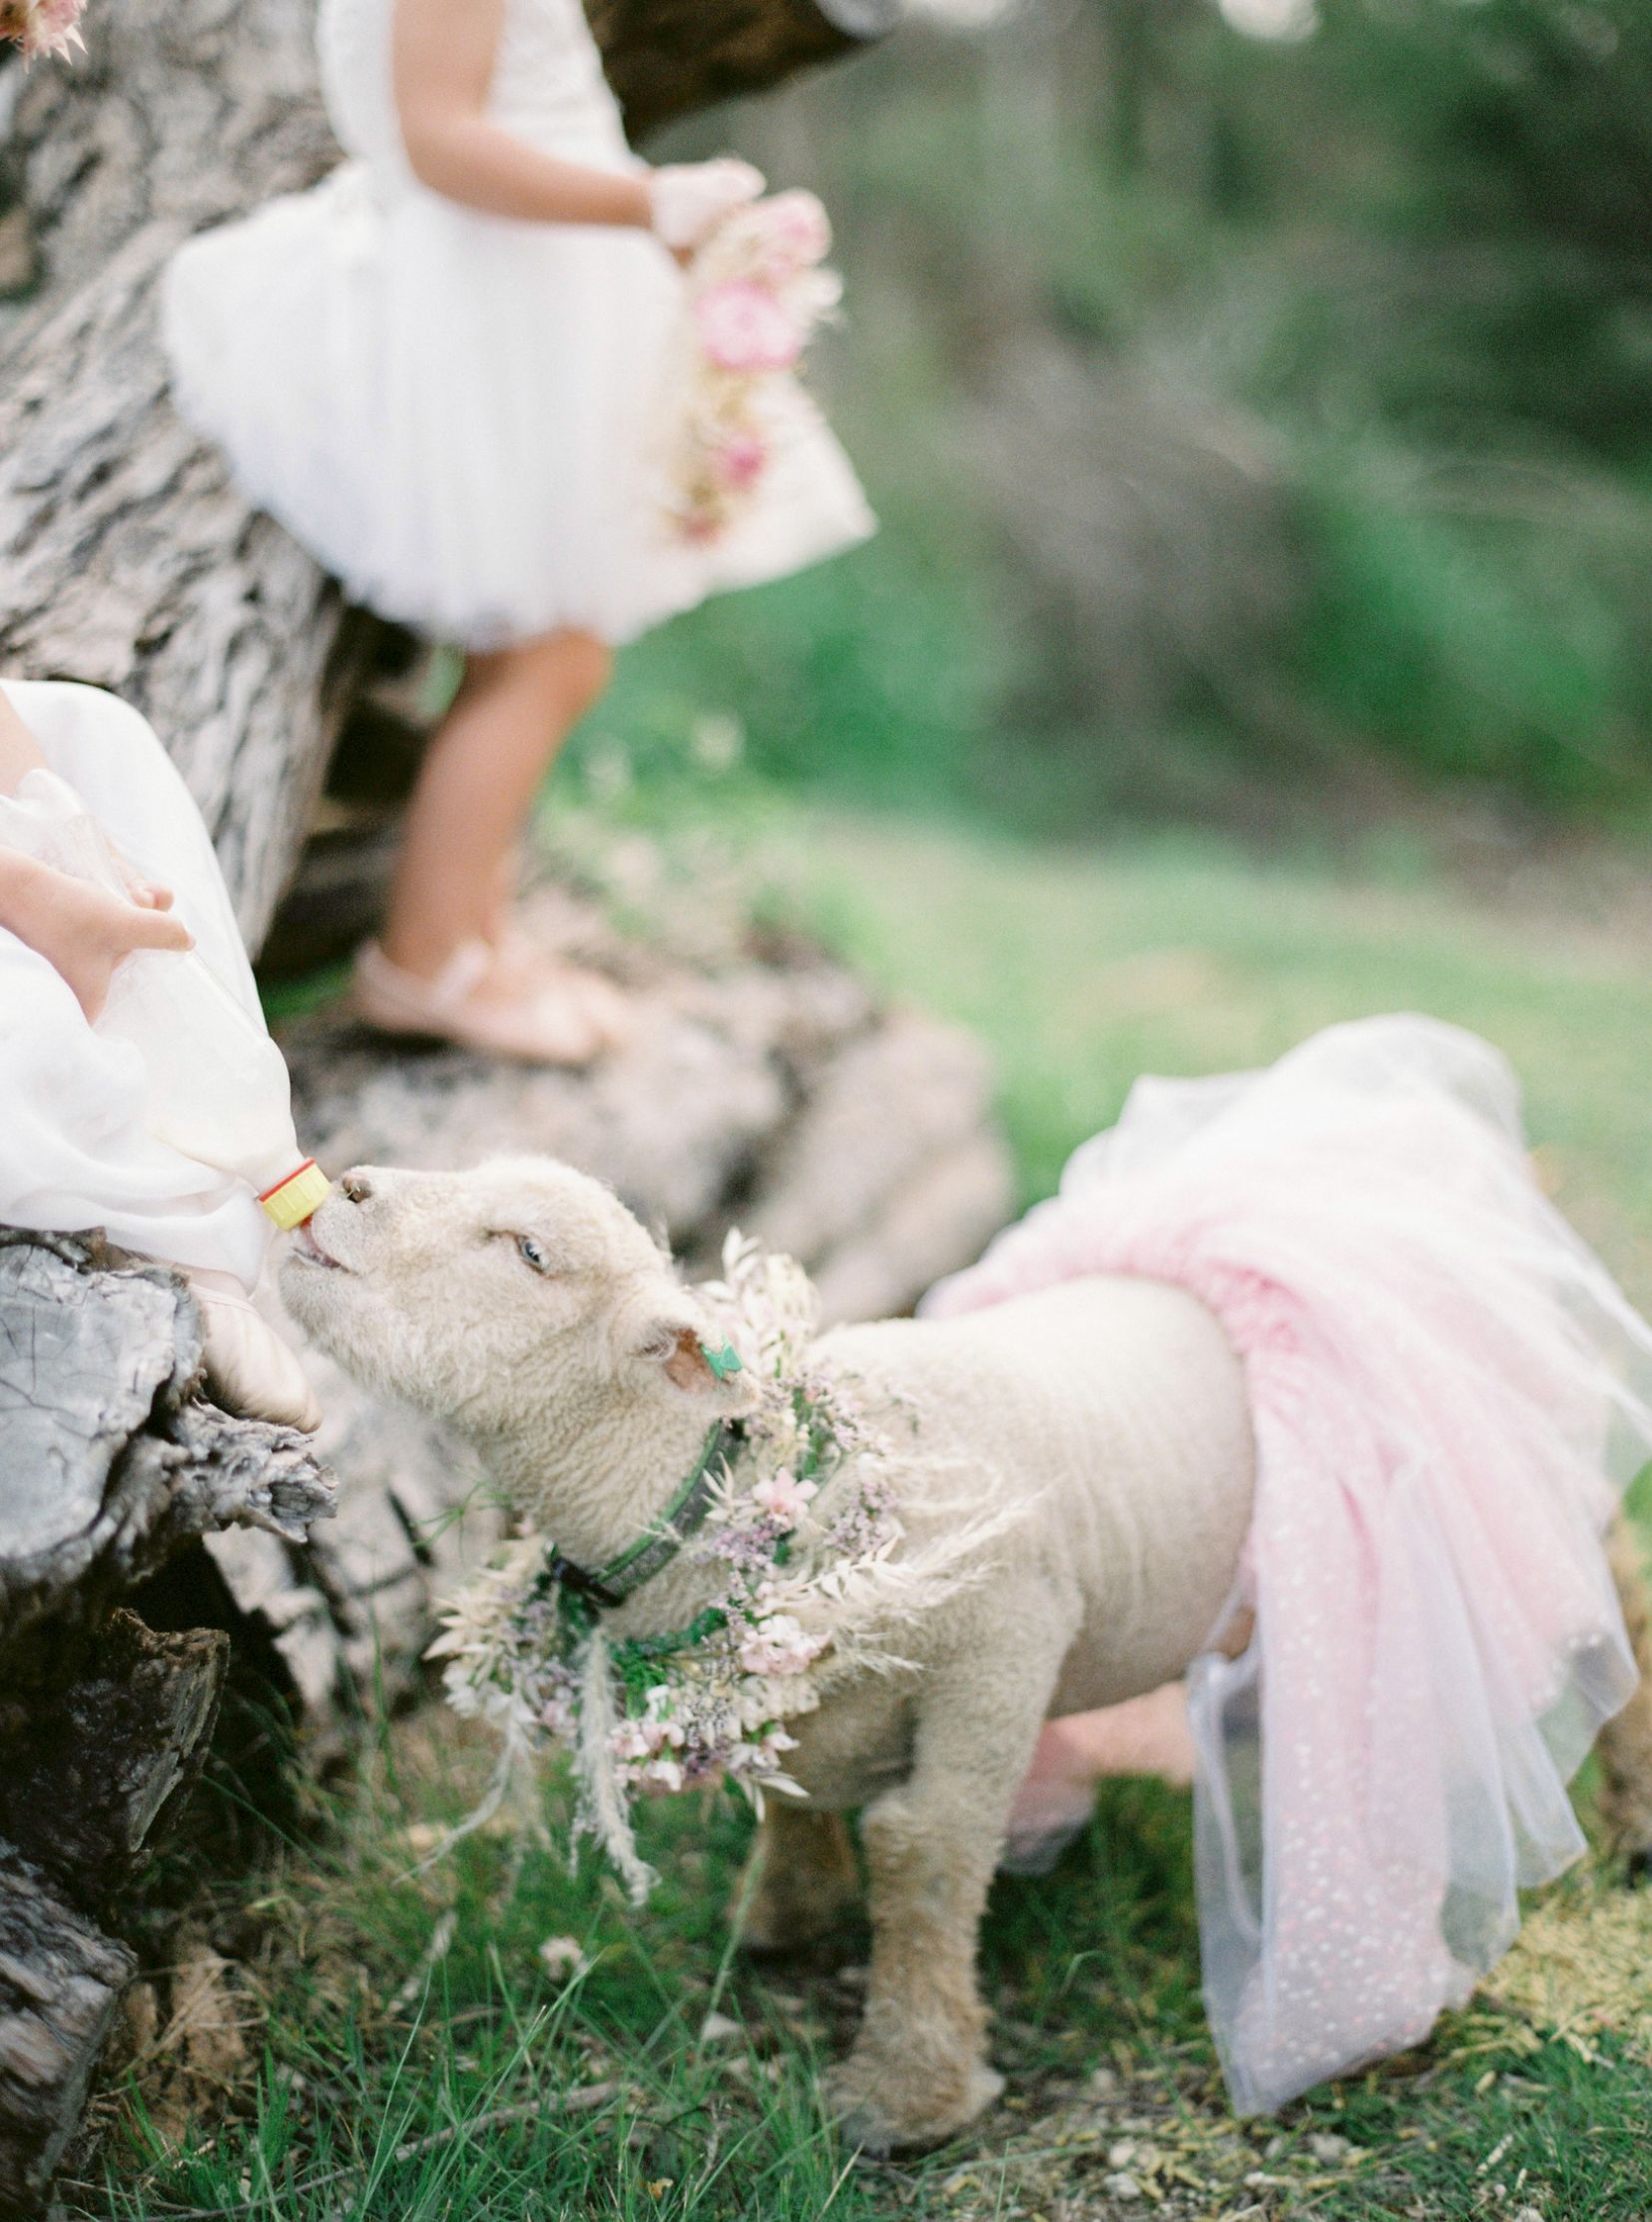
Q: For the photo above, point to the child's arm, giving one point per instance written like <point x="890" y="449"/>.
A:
<point x="84" y="933"/>
<point x="80" y="931"/>
<point x="443" y="60"/>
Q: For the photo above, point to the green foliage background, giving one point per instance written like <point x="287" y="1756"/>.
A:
<point x="1401" y="268"/>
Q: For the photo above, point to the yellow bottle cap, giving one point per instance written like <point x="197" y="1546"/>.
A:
<point x="291" y="1201"/>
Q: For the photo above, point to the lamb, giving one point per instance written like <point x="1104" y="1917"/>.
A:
<point x="522" y="1303"/>
<point x="1083" y="1457"/>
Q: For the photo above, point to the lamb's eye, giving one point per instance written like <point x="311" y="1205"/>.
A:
<point x="534" y="1253"/>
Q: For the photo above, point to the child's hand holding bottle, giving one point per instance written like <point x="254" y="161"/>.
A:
<point x="83" y="932"/>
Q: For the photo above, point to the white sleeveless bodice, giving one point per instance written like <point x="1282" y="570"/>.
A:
<point x="467" y="419"/>
<point x="548" y="85"/>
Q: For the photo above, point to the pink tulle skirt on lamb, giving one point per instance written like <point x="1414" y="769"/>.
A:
<point x="1448" y="1394"/>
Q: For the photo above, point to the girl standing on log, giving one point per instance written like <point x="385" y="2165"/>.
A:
<point x="448" y="371"/>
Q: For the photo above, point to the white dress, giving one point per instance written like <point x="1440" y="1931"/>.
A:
<point x="463" y="416"/>
<point x="74" y="1150"/>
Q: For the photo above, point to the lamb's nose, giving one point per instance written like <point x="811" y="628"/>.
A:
<point x="356" y="1186"/>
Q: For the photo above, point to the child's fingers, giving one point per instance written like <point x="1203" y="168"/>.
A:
<point x="158" y="929"/>
<point x="148" y="893"/>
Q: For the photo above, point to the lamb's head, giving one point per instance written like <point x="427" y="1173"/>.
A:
<point x="520" y="1301"/>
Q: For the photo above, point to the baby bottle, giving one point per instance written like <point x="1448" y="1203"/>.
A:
<point x="217" y="1085"/>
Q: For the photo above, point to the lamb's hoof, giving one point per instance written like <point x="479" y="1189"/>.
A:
<point x="1637" y="1866"/>
<point x="879" y="2115"/>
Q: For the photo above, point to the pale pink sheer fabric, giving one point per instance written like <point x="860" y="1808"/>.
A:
<point x="1448" y="1392"/>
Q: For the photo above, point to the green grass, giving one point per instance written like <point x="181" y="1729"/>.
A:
<point x="1093" y="1978"/>
<point x="1080" y="970"/>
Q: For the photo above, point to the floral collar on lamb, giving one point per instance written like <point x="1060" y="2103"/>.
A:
<point x="798" y="1547"/>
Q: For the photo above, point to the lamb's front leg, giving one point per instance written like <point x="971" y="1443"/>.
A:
<point x="801" y="1882"/>
<point x="918" y="2070"/>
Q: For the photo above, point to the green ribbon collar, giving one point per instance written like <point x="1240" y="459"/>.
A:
<point x="610" y="1585"/>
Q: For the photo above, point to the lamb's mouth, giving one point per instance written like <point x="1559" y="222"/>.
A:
<point x="307" y="1247"/>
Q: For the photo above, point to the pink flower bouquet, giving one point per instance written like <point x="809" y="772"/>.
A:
<point x="42" y="26"/>
<point x="756" y="291"/>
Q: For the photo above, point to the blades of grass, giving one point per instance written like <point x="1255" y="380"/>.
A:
<point x="737" y="1921"/>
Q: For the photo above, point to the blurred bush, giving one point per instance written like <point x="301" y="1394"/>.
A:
<point x="1260" y="425"/>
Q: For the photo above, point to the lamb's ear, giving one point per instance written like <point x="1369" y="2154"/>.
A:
<point x="684" y="1359"/>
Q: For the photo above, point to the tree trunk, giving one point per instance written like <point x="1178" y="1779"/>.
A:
<point x="111" y="1465"/>
<point x="665" y="58"/>
<point x="98" y="1767"/>
<point x="128" y="559"/>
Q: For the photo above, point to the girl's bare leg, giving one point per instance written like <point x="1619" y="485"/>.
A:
<point x="476" y="788"/>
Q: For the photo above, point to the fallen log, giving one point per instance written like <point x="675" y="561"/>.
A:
<point x="61" y="1979"/>
<point x="110" y="1464"/>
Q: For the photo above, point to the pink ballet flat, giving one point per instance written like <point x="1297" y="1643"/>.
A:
<point x="609" y="1010"/>
<point x="544" y="1026"/>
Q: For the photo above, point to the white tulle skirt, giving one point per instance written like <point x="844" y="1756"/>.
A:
<point x="1448" y="1393"/>
<point x="74" y="1152"/>
<point x="465" y="419"/>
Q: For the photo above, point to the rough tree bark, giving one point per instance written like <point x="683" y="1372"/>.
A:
<point x="126" y="558"/>
<point x="60" y="1982"/>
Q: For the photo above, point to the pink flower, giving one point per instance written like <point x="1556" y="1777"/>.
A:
<point x="742" y="458"/>
<point x="645" y="1738"/>
<point x="741" y="327"/>
<point x="795" y="228"/>
<point x="784" y="1498"/>
<point x="630" y="1742"/>
<point x="779" y="1645"/>
<point x="663" y="1774"/>
<point x="42" y="26"/>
